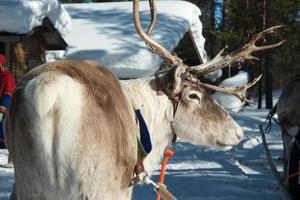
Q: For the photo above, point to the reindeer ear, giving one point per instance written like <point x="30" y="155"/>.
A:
<point x="170" y="81"/>
<point x="177" y="79"/>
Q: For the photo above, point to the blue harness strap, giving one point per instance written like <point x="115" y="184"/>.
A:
<point x="145" y="141"/>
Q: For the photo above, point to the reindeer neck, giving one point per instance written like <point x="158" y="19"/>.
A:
<point x="157" y="111"/>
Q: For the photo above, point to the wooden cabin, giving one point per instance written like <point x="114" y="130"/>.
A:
<point x="187" y="51"/>
<point x="25" y="51"/>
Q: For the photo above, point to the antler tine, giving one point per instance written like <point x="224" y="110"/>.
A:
<point x="264" y="32"/>
<point x="269" y="46"/>
<point x="153" y="16"/>
<point x="263" y="35"/>
<point x="157" y="48"/>
<point x="239" y="55"/>
<point x="153" y="11"/>
<point x="237" y="91"/>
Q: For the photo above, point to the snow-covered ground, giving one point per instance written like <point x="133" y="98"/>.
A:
<point x="204" y="173"/>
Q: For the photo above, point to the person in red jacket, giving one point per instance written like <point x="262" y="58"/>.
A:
<point x="7" y="86"/>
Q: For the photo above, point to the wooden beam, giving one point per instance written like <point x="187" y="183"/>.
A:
<point x="12" y="38"/>
<point x="195" y="46"/>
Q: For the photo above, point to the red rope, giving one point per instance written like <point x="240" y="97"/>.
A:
<point x="168" y="153"/>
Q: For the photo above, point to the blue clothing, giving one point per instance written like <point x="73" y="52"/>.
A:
<point x="7" y="86"/>
<point x="3" y="105"/>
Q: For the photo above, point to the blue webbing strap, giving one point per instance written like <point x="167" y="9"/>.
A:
<point x="145" y="141"/>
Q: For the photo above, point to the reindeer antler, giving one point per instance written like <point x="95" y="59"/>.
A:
<point x="244" y="53"/>
<point x="153" y="16"/>
<point x="153" y="11"/>
<point x="155" y="47"/>
<point x="238" y="91"/>
<point x="218" y="62"/>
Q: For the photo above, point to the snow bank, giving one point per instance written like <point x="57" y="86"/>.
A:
<point x="21" y="16"/>
<point x="229" y="101"/>
<point x="105" y="33"/>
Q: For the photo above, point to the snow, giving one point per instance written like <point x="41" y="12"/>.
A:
<point x="229" y="101"/>
<point x="6" y="177"/>
<point x="213" y="76"/>
<point x="197" y="173"/>
<point x="105" y="33"/>
<point x="21" y="16"/>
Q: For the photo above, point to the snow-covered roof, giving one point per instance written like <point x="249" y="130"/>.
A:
<point x="21" y="16"/>
<point x="104" y="32"/>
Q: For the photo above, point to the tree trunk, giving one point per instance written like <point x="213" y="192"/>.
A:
<point x="260" y="85"/>
<point x="267" y="62"/>
<point x="248" y="13"/>
<point x="259" y="105"/>
<point x="225" y="15"/>
<point x="225" y="19"/>
<point x="212" y="26"/>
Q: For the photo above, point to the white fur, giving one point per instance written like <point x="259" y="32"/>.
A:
<point x="56" y="101"/>
<point x="158" y="113"/>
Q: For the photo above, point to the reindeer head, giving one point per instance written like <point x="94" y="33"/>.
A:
<point x="197" y="117"/>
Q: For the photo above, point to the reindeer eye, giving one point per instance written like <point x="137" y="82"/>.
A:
<point x="193" y="96"/>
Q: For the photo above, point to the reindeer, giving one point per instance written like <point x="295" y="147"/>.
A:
<point x="71" y="128"/>
<point x="287" y="109"/>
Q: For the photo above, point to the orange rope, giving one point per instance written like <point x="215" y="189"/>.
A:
<point x="168" y="153"/>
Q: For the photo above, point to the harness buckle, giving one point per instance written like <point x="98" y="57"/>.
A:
<point x="140" y="173"/>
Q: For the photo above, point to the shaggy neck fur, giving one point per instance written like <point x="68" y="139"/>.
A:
<point x="157" y="111"/>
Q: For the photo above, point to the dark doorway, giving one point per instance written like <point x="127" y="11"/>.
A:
<point x="2" y="48"/>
